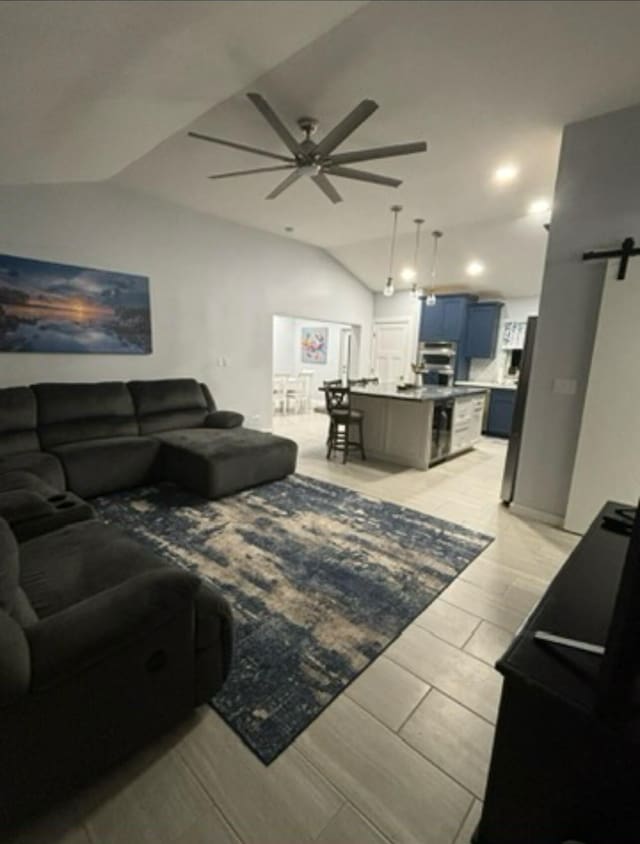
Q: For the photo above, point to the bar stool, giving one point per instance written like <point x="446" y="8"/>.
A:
<point x="342" y="418"/>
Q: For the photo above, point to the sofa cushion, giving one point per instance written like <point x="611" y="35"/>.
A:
<point x="217" y="462"/>
<point x="63" y="568"/>
<point x="169" y="404"/>
<point x="70" y="413"/>
<point x="96" y="467"/>
<point x="9" y="567"/>
<point x="47" y="467"/>
<point x="17" y="421"/>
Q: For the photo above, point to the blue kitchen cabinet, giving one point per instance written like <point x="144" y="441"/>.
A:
<point x="431" y="321"/>
<point x="481" y="334"/>
<point x="445" y="320"/>
<point x="500" y="417"/>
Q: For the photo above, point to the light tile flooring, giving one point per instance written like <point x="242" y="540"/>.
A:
<point x="401" y="756"/>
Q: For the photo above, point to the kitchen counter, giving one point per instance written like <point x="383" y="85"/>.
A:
<point x="487" y="385"/>
<point x="424" y="393"/>
<point x="398" y="425"/>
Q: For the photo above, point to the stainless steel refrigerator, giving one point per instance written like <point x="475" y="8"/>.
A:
<point x="515" y="439"/>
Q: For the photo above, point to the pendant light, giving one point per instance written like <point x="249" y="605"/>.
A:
<point x="389" y="288"/>
<point x="414" y="287"/>
<point x="431" y="295"/>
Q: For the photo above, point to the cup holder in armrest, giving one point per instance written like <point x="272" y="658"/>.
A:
<point x="64" y="505"/>
<point x="59" y="497"/>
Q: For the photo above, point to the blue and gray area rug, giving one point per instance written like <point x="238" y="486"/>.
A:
<point x="321" y="580"/>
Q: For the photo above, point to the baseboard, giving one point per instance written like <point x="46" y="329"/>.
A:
<point x="537" y="515"/>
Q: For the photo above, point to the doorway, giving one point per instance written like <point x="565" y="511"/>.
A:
<point x="307" y="352"/>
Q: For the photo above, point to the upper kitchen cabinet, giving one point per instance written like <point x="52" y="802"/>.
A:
<point x="481" y="335"/>
<point x="446" y="319"/>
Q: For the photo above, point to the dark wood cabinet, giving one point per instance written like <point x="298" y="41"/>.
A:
<point x="560" y="772"/>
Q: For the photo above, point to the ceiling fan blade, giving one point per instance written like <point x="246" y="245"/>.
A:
<point x="362" y="176"/>
<point x="249" y="172"/>
<point x="346" y="126"/>
<point x="239" y="146"/>
<point x="276" y="124"/>
<point x="377" y="152"/>
<point x="327" y="188"/>
<point x="291" y="178"/>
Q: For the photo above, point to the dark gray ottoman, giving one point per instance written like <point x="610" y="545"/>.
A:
<point x="217" y="462"/>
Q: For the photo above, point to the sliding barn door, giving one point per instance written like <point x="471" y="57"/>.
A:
<point x="608" y="457"/>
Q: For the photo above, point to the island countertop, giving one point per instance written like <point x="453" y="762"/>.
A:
<point x="421" y="394"/>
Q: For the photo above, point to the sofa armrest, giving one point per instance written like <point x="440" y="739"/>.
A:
<point x="19" y="505"/>
<point x="224" y="419"/>
<point x="71" y="641"/>
<point x="15" y="661"/>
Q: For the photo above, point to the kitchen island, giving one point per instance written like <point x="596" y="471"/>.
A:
<point x="419" y="426"/>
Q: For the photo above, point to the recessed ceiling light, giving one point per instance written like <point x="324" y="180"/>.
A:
<point x="505" y="173"/>
<point x="407" y="274"/>
<point x="475" y="268"/>
<point x="539" y="206"/>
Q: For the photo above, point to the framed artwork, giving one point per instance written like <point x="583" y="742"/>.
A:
<point x="314" y="342"/>
<point x="513" y="335"/>
<point x="46" y="307"/>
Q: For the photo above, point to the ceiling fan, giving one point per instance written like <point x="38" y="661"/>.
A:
<point x="317" y="160"/>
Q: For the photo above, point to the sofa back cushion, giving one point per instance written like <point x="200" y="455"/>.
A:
<point x="18" y="421"/>
<point x="9" y="568"/>
<point x="70" y="413"/>
<point x="169" y="404"/>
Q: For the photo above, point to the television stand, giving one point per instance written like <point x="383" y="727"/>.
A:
<point x="565" y="642"/>
<point x="559" y="770"/>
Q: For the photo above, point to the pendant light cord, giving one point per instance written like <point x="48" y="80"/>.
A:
<point x="434" y="265"/>
<point x="396" y="210"/>
<point x="417" y="247"/>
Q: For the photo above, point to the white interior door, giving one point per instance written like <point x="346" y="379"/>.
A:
<point x="608" y="457"/>
<point x="391" y="358"/>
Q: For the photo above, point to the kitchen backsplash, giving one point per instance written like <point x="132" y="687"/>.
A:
<point x="489" y="369"/>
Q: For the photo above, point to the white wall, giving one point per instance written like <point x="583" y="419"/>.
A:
<point x="283" y="340"/>
<point x="215" y="287"/>
<point x="596" y="204"/>
<point x="514" y="310"/>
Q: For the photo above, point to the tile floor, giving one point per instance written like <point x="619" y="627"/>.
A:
<point x="402" y="755"/>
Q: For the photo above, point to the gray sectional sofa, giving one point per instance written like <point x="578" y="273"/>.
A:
<point x="103" y="644"/>
<point x="98" y="438"/>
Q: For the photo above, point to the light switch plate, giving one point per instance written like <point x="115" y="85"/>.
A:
<point x="565" y="386"/>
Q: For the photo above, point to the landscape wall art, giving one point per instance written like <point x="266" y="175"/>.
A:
<point x="46" y="307"/>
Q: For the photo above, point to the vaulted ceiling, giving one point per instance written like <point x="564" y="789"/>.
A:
<point x="98" y="91"/>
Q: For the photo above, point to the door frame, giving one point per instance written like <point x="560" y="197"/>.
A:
<point x="406" y="321"/>
<point x="346" y="345"/>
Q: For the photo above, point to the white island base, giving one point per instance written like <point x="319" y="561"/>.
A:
<point x="397" y="426"/>
<point x="396" y="431"/>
